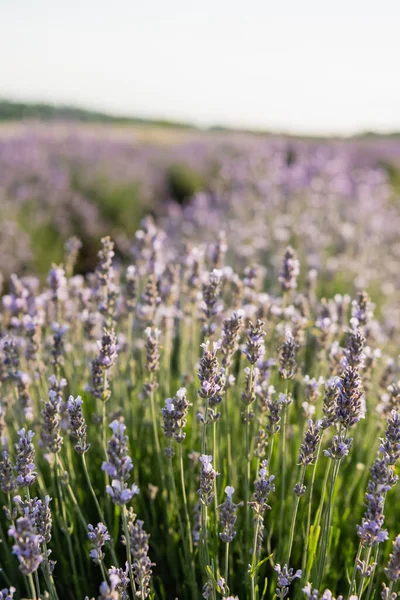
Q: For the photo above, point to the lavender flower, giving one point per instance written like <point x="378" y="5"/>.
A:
<point x="27" y="547"/>
<point x="207" y="478"/>
<point x="149" y="301"/>
<point x="25" y="465"/>
<point x="212" y="379"/>
<point x="39" y="513"/>
<point x="362" y="308"/>
<point x="255" y="348"/>
<point x="210" y="306"/>
<point x="249" y="393"/>
<point x="392" y="570"/>
<point x="290" y="270"/>
<point x="58" y="348"/>
<point x="131" y="285"/>
<point x="7" y="593"/>
<point x="390" y="444"/>
<point x="286" y="577"/>
<point x="228" y="516"/>
<point x="78" y="424"/>
<point x="102" y="363"/>
<point x="109" y="592"/>
<point x="264" y="486"/>
<point x="123" y="580"/>
<point x="51" y="438"/>
<point x="57" y="282"/>
<point x="7" y="480"/>
<point x="230" y="337"/>
<point x="287" y="357"/>
<point x="104" y="265"/>
<point x="119" y="466"/>
<point x="174" y="418"/>
<point x="355" y="344"/>
<point x="152" y="349"/>
<point x="98" y="537"/>
<point x="141" y="563"/>
<point x="310" y="443"/>
<point x="349" y="407"/>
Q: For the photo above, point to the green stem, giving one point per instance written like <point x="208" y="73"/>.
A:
<point x="354" y="574"/>
<point x="101" y="515"/>
<point x="310" y="500"/>
<point x="283" y="469"/>
<point x="362" y="579"/>
<point x="326" y="526"/>
<point x="156" y="438"/>
<point x="254" y="559"/>
<point x="128" y="550"/>
<point x="32" y="586"/>
<point x="226" y="573"/>
<point x="294" y="516"/>
<point x="185" y="502"/>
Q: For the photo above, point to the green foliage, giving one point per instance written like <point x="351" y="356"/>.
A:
<point x="183" y="182"/>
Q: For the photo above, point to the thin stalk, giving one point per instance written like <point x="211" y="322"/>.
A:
<point x="283" y="469"/>
<point x="101" y="514"/>
<point x="310" y="499"/>
<point x="32" y="586"/>
<point x="254" y="559"/>
<point x="294" y="516"/>
<point x="103" y="571"/>
<point x="371" y="581"/>
<point x="48" y="576"/>
<point x="187" y="551"/>
<point x="362" y="581"/>
<point x="73" y="497"/>
<point x="326" y="526"/>
<point x="37" y="583"/>
<point x="247" y="472"/>
<point x="128" y="550"/>
<point x="226" y="572"/>
<point x="318" y="516"/>
<point x="227" y="430"/>
<point x="185" y="502"/>
<point x="354" y="574"/>
<point x="156" y="438"/>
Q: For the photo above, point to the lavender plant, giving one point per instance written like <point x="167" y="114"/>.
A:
<point x="142" y="371"/>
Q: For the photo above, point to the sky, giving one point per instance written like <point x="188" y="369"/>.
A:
<point x="302" y="66"/>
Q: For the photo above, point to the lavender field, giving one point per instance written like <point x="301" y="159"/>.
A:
<point x="199" y="365"/>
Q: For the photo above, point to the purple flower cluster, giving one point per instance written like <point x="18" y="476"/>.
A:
<point x="119" y="465"/>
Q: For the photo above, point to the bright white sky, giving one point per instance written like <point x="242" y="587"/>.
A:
<point x="309" y="66"/>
